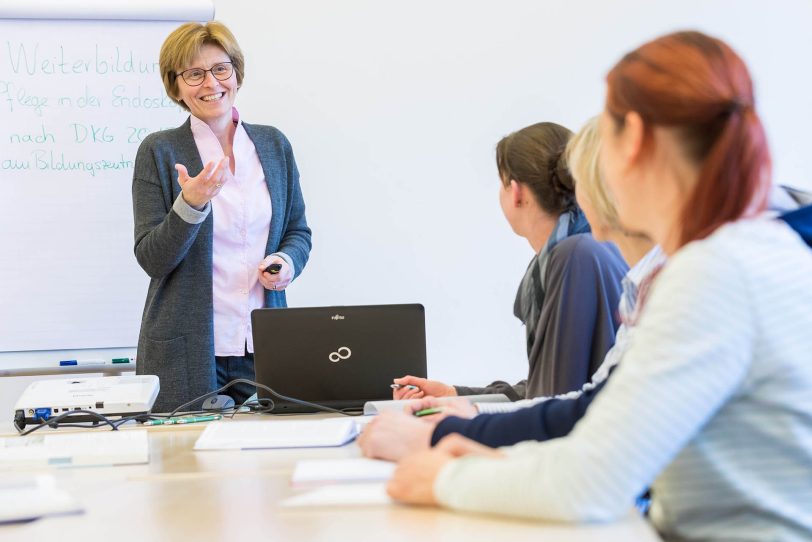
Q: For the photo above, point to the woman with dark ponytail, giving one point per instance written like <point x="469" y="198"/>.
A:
<point x="569" y="295"/>
<point x="710" y="404"/>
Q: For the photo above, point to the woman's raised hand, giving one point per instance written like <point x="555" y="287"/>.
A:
<point x="199" y="190"/>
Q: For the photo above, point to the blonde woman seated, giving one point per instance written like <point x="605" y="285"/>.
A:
<point x="392" y="435"/>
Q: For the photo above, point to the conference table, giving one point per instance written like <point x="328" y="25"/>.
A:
<point x="182" y="494"/>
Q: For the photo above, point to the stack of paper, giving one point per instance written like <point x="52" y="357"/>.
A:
<point x="350" y="482"/>
<point x="324" y="471"/>
<point x="375" y="407"/>
<point x="245" y="435"/>
<point x="84" y="449"/>
<point x="27" y="498"/>
<point x="342" y="495"/>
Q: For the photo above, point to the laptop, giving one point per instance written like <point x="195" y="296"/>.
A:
<point x="340" y="357"/>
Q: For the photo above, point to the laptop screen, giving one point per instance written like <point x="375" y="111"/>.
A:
<point x="337" y="356"/>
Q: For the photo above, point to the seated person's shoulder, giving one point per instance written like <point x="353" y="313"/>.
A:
<point x="583" y="249"/>
<point x="742" y="248"/>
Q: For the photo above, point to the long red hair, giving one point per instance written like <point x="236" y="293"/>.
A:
<point x="698" y="85"/>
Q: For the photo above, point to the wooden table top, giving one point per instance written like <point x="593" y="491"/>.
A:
<point x="218" y="495"/>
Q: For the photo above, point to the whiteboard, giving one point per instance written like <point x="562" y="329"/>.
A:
<point x="76" y="98"/>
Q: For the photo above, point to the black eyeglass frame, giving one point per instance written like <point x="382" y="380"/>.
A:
<point x="210" y="70"/>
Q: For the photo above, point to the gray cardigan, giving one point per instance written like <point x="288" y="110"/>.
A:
<point x="177" y="331"/>
<point x="578" y="320"/>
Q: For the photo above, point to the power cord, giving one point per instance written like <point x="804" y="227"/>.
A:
<point x="268" y="409"/>
<point x="55" y="422"/>
<point x="257" y="406"/>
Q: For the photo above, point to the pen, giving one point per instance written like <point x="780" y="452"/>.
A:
<point x="428" y="411"/>
<point x="398" y="386"/>
<point x="186" y="419"/>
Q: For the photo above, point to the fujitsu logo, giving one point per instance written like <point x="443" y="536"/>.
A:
<point x="342" y="353"/>
<point x="337" y="317"/>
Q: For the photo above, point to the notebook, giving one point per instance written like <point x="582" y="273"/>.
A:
<point x="341" y="495"/>
<point x="24" y="498"/>
<point x="340" y="357"/>
<point x="247" y="435"/>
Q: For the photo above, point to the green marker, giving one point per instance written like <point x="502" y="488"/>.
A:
<point x="428" y="411"/>
<point x="185" y="419"/>
<point x="121" y="360"/>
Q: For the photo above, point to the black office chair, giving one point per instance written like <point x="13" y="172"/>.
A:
<point x="800" y="220"/>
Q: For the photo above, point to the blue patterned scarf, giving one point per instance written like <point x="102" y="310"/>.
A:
<point x="530" y="297"/>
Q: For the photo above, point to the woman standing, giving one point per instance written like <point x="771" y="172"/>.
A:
<point x="208" y="235"/>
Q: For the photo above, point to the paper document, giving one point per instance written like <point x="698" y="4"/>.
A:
<point x="375" y="407"/>
<point x="31" y="497"/>
<point x="342" y="495"/>
<point x="244" y="435"/>
<point x="89" y="448"/>
<point x="363" y="421"/>
<point x="320" y="471"/>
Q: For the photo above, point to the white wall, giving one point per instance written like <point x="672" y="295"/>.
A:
<point x="394" y="109"/>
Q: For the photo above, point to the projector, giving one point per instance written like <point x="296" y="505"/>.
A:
<point x="110" y="396"/>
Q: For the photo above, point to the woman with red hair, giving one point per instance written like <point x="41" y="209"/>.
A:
<point x="710" y="405"/>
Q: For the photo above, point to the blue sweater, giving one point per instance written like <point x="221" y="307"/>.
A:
<point x="578" y="320"/>
<point x="550" y="419"/>
<point x="800" y="220"/>
<point x="555" y="418"/>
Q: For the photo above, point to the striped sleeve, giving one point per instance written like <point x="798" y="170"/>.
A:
<point x="663" y="392"/>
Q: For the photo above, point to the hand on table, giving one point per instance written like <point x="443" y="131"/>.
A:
<point x="449" y="406"/>
<point x="413" y="480"/>
<point x="393" y="435"/>
<point x="423" y="388"/>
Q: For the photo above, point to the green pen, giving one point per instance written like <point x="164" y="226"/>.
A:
<point x="185" y="419"/>
<point x="428" y="411"/>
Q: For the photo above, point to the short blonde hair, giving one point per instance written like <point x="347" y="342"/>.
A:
<point x="582" y="155"/>
<point x="182" y="46"/>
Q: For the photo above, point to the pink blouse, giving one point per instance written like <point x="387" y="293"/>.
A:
<point x="241" y="218"/>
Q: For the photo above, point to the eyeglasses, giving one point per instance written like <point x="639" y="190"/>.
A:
<point x="195" y="76"/>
